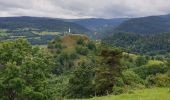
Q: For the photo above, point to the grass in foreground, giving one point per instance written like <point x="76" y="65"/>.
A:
<point x="145" y="94"/>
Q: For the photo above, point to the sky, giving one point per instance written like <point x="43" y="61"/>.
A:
<point x="72" y="9"/>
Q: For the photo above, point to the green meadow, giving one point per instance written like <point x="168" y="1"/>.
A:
<point x="144" y="94"/>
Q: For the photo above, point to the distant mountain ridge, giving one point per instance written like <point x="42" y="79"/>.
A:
<point x="146" y="25"/>
<point x="38" y="30"/>
<point x="40" y="24"/>
<point x="87" y="26"/>
<point x="94" y="27"/>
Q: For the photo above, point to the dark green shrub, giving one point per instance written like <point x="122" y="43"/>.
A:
<point x="163" y="80"/>
<point x="141" y="60"/>
<point x="150" y="81"/>
<point x="80" y="83"/>
<point x="130" y="92"/>
<point x="80" y="42"/>
<point x="168" y="65"/>
<point x="117" y="90"/>
<point x="119" y="82"/>
<point x="82" y="50"/>
<point x="160" y="80"/>
<point x="91" y="46"/>
<point x="73" y="56"/>
<point x="58" y="46"/>
<point x="65" y="61"/>
<point x="146" y="70"/>
<point x="131" y="78"/>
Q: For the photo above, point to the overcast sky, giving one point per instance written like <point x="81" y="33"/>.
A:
<point x="84" y="8"/>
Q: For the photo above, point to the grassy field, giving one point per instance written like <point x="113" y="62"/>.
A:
<point x="145" y="94"/>
<point x="3" y="33"/>
<point x="46" y="33"/>
<point x="155" y="62"/>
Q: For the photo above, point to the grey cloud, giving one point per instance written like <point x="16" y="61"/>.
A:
<point x="84" y="8"/>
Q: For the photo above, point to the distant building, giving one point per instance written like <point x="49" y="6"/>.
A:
<point x="69" y="30"/>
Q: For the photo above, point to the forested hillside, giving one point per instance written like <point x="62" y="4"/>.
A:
<point x="138" y="43"/>
<point x="146" y="25"/>
<point x="75" y="67"/>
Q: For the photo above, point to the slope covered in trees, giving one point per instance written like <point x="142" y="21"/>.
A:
<point x="73" y="66"/>
<point x="137" y="43"/>
<point x="146" y="25"/>
<point x="24" y="72"/>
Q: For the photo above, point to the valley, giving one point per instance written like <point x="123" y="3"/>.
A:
<point x="84" y="59"/>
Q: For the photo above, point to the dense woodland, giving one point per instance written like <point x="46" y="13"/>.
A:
<point x="150" y="44"/>
<point x="146" y="25"/>
<point x="73" y="66"/>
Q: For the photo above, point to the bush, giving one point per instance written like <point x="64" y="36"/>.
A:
<point x="117" y="90"/>
<point x="150" y="81"/>
<point x="160" y="80"/>
<point x="131" y="78"/>
<point x="65" y="61"/>
<point x="80" y="42"/>
<point x="80" y="83"/>
<point x="146" y="70"/>
<point x="141" y="60"/>
<point x="119" y="82"/>
<point x="82" y="50"/>
<point x="73" y="55"/>
<point x="168" y="65"/>
<point x="130" y="92"/>
<point x="163" y="80"/>
<point x="91" y="46"/>
<point x="58" y="46"/>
